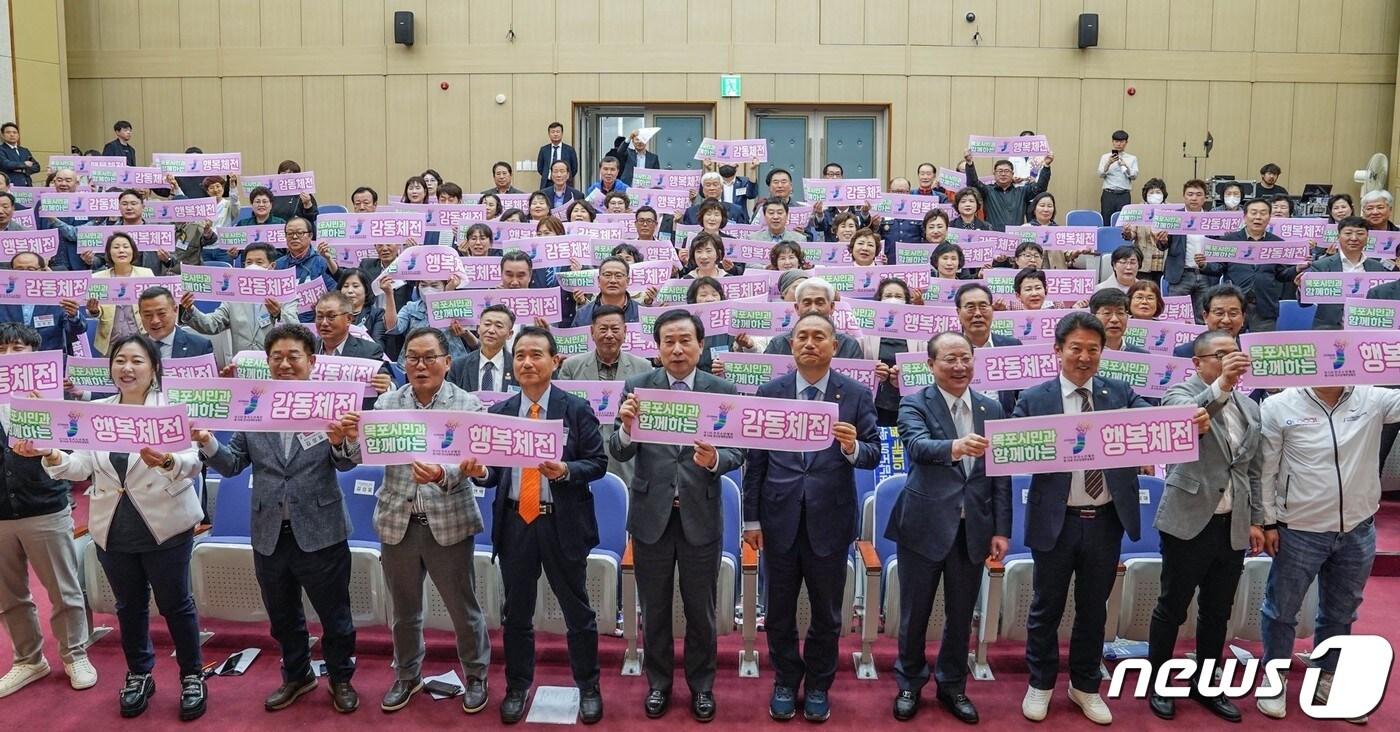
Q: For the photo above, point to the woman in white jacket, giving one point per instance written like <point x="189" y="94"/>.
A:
<point x="142" y="517"/>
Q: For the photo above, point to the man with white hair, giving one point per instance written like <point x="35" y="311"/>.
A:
<point x="65" y="181"/>
<point x="711" y="188"/>
<point x="1376" y="208"/>
<point x="816" y="295"/>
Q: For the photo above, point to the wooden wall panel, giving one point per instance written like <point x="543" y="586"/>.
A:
<point x="407" y="128"/>
<point x="971" y="106"/>
<point x="119" y="24"/>
<point x="536" y="21"/>
<point x="931" y="21"/>
<point x="1113" y="21"/>
<point x="986" y="23"/>
<point x="1235" y="21"/>
<point x="1314" y="108"/>
<point x="840" y="88"/>
<point x="324" y="139"/>
<point x="89" y="120"/>
<point x="1228" y="119"/>
<point x="1276" y="26"/>
<point x="240" y="24"/>
<point x="1100" y="113"/>
<point x="891" y="90"/>
<point x="755" y="21"/>
<point x="1148" y="25"/>
<point x="243" y="121"/>
<point x="1187" y="104"/>
<point x="842" y="21"/>
<point x="1058" y="100"/>
<point x="202" y="102"/>
<point x="1370" y="25"/>
<point x="281" y="23"/>
<point x="926" y="125"/>
<point x="1145" y="119"/>
<point x="284" y="121"/>
<point x="1016" y="103"/>
<point x="1059" y="23"/>
<point x="1017" y="24"/>
<point x="1271" y="127"/>
<point x="367" y="135"/>
<point x="1361" y="110"/>
<point x="492" y="127"/>
<point x="1189" y="29"/>
<point x="164" y="129"/>
<point x="794" y="23"/>
<point x="1320" y="28"/>
<point x="530" y="117"/>
<point x="321" y="23"/>
<point x="80" y="25"/>
<point x="362" y="23"/>
<point x="887" y="22"/>
<point x="449" y="130"/>
<point x="160" y="26"/>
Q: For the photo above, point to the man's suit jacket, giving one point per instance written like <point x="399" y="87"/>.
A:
<point x="584" y="367"/>
<point x="59" y="330"/>
<point x="362" y="348"/>
<point x="247" y="331"/>
<point x="778" y="484"/>
<point x="566" y="153"/>
<point x="925" y="516"/>
<point x="1049" y="492"/>
<point x="465" y="373"/>
<point x="664" y="470"/>
<point x="1329" y="317"/>
<point x="15" y="162"/>
<point x="188" y="344"/>
<point x="575" y="523"/>
<point x="744" y="192"/>
<point x="306" y="479"/>
<point x="1388" y="291"/>
<point x="736" y="213"/>
<point x="1194" y="489"/>
<point x="632" y="162"/>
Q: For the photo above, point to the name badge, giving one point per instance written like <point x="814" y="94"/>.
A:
<point x="182" y="245"/>
<point x="264" y="318"/>
<point x="44" y="321"/>
<point x="310" y="439"/>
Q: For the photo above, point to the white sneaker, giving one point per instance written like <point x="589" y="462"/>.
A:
<point x="1276" y="706"/>
<point x="81" y="674"/>
<point x="21" y="675"/>
<point x="1036" y="704"/>
<point x="1324" y="690"/>
<point x="1092" y="705"/>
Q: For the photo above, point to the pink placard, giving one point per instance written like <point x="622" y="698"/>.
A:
<point x="240" y="237"/>
<point x="1028" y="325"/>
<point x="1160" y="336"/>
<point x="27" y="195"/>
<point x="899" y="320"/>
<point x="1336" y="287"/>
<point x="465" y="306"/>
<point x="309" y="292"/>
<point x="603" y="396"/>
<point x="733" y="151"/>
<point x="951" y="178"/>
<point x="190" y="367"/>
<point x="44" y="243"/>
<point x="1007" y="368"/>
<point x="1059" y="238"/>
<point x="69" y="425"/>
<point x="425" y="263"/>
<point x="78" y="205"/>
<point x="591" y="230"/>
<point x="1379" y="244"/>
<point x="403" y="436"/>
<point x="859" y="369"/>
<point x="32" y="371"/>
<point x="129" y="177"/>
<point x="182" y="210"/>
<point x="380" y="227"/>
<point x="480" y="272"/>
<point x="908" y="207"/>
<point x="1118" y="438"/>
<point x="991" y="146"/>
<point x="1258" y="252"/>
<point x="281" y="184"/>
<point x="231" y="284"/>
<point x="670" y="417"/>
<point x="914" y="374"/>
<point x="1313" y="230"/>
<point x="1322" y="358"/>
<point x="1149" y="374"/>
<point x="841" y="191"/>
<point x="1372" y="314"/>
<point x="862" y="281"/>
<point x="664" y="200"/>
<point x="148" y="237"/>
<point x="264" y="406"/>
<point x="25" y="219"/>
<point x="981" y="248"/>
<point x="198" y="165"/>
<point x="127" y="290"/>
<point x="1178" y="308"/>
<point x="81" y="164"/>
<point x="454" y="215"/>
<point x="253" y="365"/>
<point x="1198" y="222"/>
<point x="42" y="288"/>
<point x="1143" y="213"/>
<point x="942" y="291"/>
<point x="551" y="251"/>
<point x="688" y="180"/>
<point x="748" y="371"/>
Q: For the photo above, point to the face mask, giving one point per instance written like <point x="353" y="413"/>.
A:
<point x="429" y="289"/>
<point x="1232" y="201"/>
<point x="249" y="265"/>
<point x="727" y="171"/>
<point x="894" y="299"/>
<point x="1155" y="198"/>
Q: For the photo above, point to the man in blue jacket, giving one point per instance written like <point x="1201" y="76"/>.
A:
<point x="57" y="325"/>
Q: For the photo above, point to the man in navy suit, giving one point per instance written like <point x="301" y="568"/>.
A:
<point x="800" y="510"/>
<point x="160" y="316"/>
<point x="57" y="325"/>
<point x="1110" y="306"/>
<point x="15" y="159"/>
<point x="557" y="149"/>
<point x="948" y="519"/>
<point x="1224" y="308"/>
<point x="638" y="156"/>
<point x="544" y="519"/>
<point x="974" y="303"/>
<point x="737" y="189"/>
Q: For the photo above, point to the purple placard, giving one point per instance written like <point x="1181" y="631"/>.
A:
<point x="1028" y="325"/>
<point x="732" y="151"/>
<point x="1178" y="308"/>
<point x="1258" y="252"/>
<point x="748" y="371"/>
<point x="908" y="252"/>
<point x="942" y="291"/>
<point x="603" y="396"/>
<point x="1150" y="374"/>
<point x="951" y="178"/>
<point x="425" y="263"/>
<point x="42" y="288"/>
<point x="404" y="436"/>
<point x="231" y="284"/>
<point x="252" y="405"/>
<point x="72" y="425"/>
<point x="454" y="215"/>
<point x="380" y="227"/>
<point x="914" y="374"/>
<point x="1026" y="146"/>
<point x="281" y="184"/>
<point x="1198" y="222"/>
<point x="841" y="191"/>
<point x="309" y="292"/>
<point x="862" y="281"/>
<point x="1013" y="367"/>
<point x="899" y="320"/>
<point x="1322" y="358"/>
<point x="129" y="177"/>
<point x="240" y="237"/>
<point x="32" y="371"/>
<point x="761" y="318"/>
<point x="664" y="200"/>
<point x="198" y="165"/>
<point x="1117" y="438"/>
<point x="908" y="207"/>
<point x="747" y="251"/>
<point x="148" y="237"/>
<point x="182" y="210"/>
<point x="24" y="219"/>
<point x="253" y="365"/>
<point x="669" y="417"/>
<point x="1059" y="238"/>
<point x="715" y="315"/>
<point x="505" y="231"/>
<point x="127" y="290"/>
<point x="44" y="243"/>
<point x="82" y="164"/>
<point x="78" y="205"/>
<point x="1336" y="287"/>
<point x="981" y="248"/>
<point x="465" y="306"/>
<point x="858" y="369"/>
<point x="591" y="230"/>
<point x="27" y="195"/>
<point x="1144" y="213"/>
<point x="1160" y="336"/>
<point x="687" y="180"/>
<point x="1313" y="230"/>
<point x="480" y="272"/>
<point x="1371" y="314"/>
<point x="552" y="251"/>
<point x="1379" y="244"/>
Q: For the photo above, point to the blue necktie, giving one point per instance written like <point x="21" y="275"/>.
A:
<point x="679" y="386"/>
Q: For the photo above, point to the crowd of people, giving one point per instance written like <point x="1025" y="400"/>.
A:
<point x="1257" y="487"/>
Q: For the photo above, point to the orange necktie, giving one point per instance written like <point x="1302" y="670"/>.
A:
<point x="530" y="484"/>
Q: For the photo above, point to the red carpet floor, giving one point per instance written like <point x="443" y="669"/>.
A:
<point x="236" y="702"/>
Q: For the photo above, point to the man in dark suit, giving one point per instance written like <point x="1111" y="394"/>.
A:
<point x="1223" y="308"/>
<point x="1350" y="257"/>
<point x="160" y="316"/>
<point x="558" y="190"/>
<point x="489" y="368"/>
<point x="1265" y="284"/>
<point x="332" y="316"/>
<point x="711" y="188"/>
<point x="544" y="519"/>
<point x="638" y="156"/>
<point x="974" y="303"/>
<point x="941" y="428"/>
<point x="57" y="325"/>
<point x="736" y="189"/>
<point x="1110" y="306"/>
<point x="121" y="146"/>
<point x="800" y="511"/>
<point x="556" y="150"/>
<point x="675" y="520"/>
<point x="1186" y="269"/>
<point x="1074" y="526"/>
<point x="15" y="159"/>
<point x="299" y="531"/>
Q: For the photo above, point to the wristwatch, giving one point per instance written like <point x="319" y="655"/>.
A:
<point x="168" y="463"/>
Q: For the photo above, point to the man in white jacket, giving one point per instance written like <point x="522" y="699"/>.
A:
<point x="1321" y="490"/>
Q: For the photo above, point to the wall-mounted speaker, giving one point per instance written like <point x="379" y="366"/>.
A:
<point x="403" y="27"/>
<point x="1088" y="30"/>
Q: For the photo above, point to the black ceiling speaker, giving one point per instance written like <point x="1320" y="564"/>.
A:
<point x="1088" y="30"/>
<point x="403" y="27"/>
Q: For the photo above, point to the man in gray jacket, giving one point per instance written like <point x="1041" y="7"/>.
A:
<point x="607" y="362"/>
<point x="1212" y="510"/>
<point x="247" y="323"/>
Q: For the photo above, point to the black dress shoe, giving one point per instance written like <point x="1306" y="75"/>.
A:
<point x="656" y="703"/>
<point x="959" y="705"/>
<point x="136" y="694"/>
<point x="289" y="692"/>
<point x="513" y="706"/>
<point x="1162" y="706"/>
<point x="344" y="698"/>
<point x="400" y="694"/>
<point x="1219" y="705"/>
<point x="906" y="705"/>
<point x="474" y="695"/>
<point x="702" y="706"/>
<point x="590" y="705"/>
<point x="193" y="697"/>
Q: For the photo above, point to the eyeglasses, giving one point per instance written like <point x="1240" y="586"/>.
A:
<point x="328" y="317"/>
<point x="956" y="361"/>
<point x="297" y="234"/>
<point x="1218" y="354"/>
<point x="426" y="360"/>
<point x="1227" y="313"/>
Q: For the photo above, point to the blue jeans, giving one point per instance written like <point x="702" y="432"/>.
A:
<point x="1341" y="562"/>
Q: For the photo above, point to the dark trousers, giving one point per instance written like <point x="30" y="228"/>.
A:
<point x="825" y="578"/>
<point x="1205" y="561"/>
<point x="1087" y="552"/>
<point x="918" y="586"/>
<point x="164" y="573"/>
<point x="325" y="576"/>
<point x="1111" y="202"/>
<point x="656" y="567"/>
<point x="525" y="549"/>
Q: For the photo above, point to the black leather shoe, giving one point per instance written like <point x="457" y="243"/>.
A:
<point x="136" y="694"/>
<point x="513" y="706"/>
<point x="590" y="705"/>
<point x="906" y="705"/>
<point x="1162" y="706"/>
<point x="193" y="697"/>
<point x="474" y="695"/>
<point x="289" y="692"/>
<point x="656" y="703"/>
<point x="344" y="698"/>
<point x="702" y="706"/>
<point x="959" y="705"/>
<point x="1219" y="706"/>
<point x="400" y="694"/>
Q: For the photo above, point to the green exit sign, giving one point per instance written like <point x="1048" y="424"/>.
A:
<point x="731" y="85"/>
